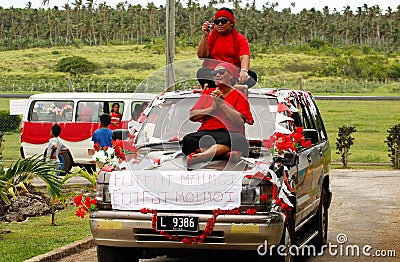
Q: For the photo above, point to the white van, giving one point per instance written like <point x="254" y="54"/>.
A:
<point x="78" y="115"/>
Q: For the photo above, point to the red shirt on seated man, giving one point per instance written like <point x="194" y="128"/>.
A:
<point x="222" y="112"/>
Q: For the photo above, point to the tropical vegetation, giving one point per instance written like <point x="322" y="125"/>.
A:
<point x="88" y="23"/>
<point x="334" y="50"/>
<point x="15" y="179"/>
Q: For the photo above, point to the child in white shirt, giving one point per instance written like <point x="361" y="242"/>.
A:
<point x="55" y="146"/>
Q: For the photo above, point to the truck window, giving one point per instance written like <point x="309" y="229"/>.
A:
<point x="51" y="111"/>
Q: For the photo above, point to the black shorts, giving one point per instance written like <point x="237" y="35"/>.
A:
<point x="206" y="138"/>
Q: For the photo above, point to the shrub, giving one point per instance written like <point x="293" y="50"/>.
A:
<point x="393" y="141"/>
<point x="394" y="70"/>
<point x="8" y="122"/>
<point x="75" y="65"/>
<point x="317" y="43"/>
<point x="140" y="66"/>
<point x="344" y="141"/>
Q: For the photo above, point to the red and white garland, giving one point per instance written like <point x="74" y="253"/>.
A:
<point x="207" y="230"/>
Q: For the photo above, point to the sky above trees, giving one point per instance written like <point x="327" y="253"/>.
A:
<point x="299" y="4"/>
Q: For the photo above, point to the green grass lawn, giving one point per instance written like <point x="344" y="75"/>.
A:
<point x="371" y="119"/>
<point x="37" y="236"/>
<point x="5" y="104"/>
<point x="11" y="144"/>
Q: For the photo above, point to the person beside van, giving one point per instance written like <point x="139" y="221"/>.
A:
<point x="115" y="114"/>
<point x="102" y="136"/>
<point x="55" y="146"/>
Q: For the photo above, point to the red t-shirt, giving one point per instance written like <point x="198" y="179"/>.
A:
<point x="115" y="117"/>
<point x="223" y="49"/>
<point x="235" y="99"/>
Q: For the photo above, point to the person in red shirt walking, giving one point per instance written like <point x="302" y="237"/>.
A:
<point x="222" y="112"/>
<point x="221" y="42"/>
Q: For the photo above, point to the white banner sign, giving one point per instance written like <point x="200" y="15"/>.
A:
<point x="175" y="190"/>
<point x="17" y="107"/>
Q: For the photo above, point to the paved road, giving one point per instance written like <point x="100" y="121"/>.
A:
<point x="364" y="210"/>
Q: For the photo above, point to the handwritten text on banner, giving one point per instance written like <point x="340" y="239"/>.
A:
<point x="175" y="190"/>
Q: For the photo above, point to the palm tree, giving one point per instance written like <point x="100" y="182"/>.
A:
<point x="348" y="14"/>
<point x="360" y="15"/>
<point x="15" y="178"/>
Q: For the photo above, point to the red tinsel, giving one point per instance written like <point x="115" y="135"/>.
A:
<point x="259" y="175"/>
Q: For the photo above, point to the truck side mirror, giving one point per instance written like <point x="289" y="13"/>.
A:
<point x="311" y="134"/>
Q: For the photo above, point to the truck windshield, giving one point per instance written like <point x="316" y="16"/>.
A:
<point x="169" y="120"/>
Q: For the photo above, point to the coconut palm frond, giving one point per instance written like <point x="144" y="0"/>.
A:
<point x="4" y="186"/>
<point x="91" y="177"/>
<point x="24" y="170"/>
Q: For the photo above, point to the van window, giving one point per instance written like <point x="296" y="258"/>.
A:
<point x="108" y="106"/>
<point x="51" y="111"/>
<point x="137" y="109"/>
<point x="89" y="111"/>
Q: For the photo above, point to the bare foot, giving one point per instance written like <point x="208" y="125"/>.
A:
<point x="234" y="155"/>
<point x="194" y="158"/>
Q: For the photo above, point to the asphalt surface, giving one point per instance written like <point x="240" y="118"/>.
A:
<point x="37" y="182"/>
<point x="364" y="216"/>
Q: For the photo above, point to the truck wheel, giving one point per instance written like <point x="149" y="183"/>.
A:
<point x="279" y="253"/>
<point x="286" y="242"/>
<point x="322" y="221"/>
<point x="117" y="254"/>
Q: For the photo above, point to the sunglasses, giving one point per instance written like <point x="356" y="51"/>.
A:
<point x="222" y="20"/>
<point x="220" y="72"/>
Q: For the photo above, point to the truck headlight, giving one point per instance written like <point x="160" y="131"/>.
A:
<point x="250" y="196"/>
<point x="103" y="193"/>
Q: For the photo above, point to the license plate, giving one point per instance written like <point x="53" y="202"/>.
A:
<point x="177" y="223"/>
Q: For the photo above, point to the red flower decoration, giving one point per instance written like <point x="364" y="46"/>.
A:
<point x="96" y="146"/>
<point x="78" y="200"/>
<point x="269" y="143"/>
<point x="251" y="211"/>
<point x="287" y="142"/>
<point x="85" y="205"/>
<point x="123" y="148"/>
<point x="264" y="198"/>
<point x="306" y="144"/>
